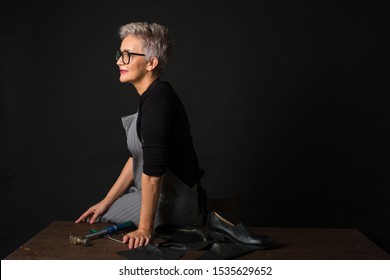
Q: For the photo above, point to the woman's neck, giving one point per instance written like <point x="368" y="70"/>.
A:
<point x="143" y="85"/>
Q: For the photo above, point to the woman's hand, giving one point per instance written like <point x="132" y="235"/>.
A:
<point x="139" y="237"/>
<point x="94" y="212"/>
<point x="151" y="187"/>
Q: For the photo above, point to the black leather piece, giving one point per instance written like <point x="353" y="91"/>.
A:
<point x="192" y="246"/>
<point x="181" y="237"/>
<point x="221" y="229"/>
<point x="181" y="233"/>
<point x="225" y="251"/>
<point x="151" y="252"/>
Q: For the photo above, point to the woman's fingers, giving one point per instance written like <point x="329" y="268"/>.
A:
<point x="83" y="216"/>
<point x="137" y="239"/>
<point x="94" y="217"/>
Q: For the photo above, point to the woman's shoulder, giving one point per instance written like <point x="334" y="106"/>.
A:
<point x="161" y="86"/>
<point x="159" y="91"/>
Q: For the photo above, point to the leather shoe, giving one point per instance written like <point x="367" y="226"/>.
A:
<point x="221" y="229"/>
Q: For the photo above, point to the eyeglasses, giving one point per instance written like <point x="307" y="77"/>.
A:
<point x="126" y="56"/>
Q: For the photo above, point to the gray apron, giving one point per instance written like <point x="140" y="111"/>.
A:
<point x="178" y="203"/>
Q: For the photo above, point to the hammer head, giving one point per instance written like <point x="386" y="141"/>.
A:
<point x="77" y="240"/>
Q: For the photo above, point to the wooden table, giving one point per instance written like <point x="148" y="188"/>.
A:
<point x="52" y="243"/>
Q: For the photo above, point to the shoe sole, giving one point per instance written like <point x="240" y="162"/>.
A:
<point x="223" y="237"/>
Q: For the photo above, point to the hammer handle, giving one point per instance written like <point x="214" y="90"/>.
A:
<point x="115" y="228"/>
<point x="111" y="229"/>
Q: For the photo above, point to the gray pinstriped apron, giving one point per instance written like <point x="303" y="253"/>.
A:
<point x="178" y="204"/>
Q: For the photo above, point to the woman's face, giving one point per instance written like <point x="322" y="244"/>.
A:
<point x="136" y="70"/>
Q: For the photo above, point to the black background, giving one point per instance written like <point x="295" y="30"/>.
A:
<point x="288" y="102"/>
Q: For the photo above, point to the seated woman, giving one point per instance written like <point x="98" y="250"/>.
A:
<point x="162" y="174"/>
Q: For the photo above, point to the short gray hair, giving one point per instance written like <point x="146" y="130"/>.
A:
<point x="155" y="41"/>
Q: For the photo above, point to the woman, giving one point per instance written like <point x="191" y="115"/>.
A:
<point x="162" y="170"/>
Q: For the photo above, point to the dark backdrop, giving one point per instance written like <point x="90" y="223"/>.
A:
<point x="288" y="103"/>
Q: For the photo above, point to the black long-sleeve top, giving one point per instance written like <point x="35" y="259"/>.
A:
<point x="164" y="131"/>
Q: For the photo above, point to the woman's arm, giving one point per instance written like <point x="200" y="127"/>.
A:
<point x="125" y="178"/>
<point x="154" y="128"/>
<point x="151" y="187"/>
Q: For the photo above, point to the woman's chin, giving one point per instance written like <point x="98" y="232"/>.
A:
<point x="123" y="79"/>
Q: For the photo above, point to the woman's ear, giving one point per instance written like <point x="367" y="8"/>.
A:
<point x="152" y="64"/>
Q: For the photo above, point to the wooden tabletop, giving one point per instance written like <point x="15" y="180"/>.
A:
<point x="52" y="243"/>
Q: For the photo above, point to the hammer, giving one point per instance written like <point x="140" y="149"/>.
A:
<point x="85" y="240"/>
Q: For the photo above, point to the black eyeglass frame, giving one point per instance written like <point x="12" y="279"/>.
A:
<point x="119" y="55"/>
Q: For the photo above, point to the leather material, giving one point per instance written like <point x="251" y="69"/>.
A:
<point x="225" y="251"/>
<point x="192" y="246"/>
<point x="221" y="229"/>
<point x="181" y="233"/>
<point x="151" y="252"/>
<point x="181" y="237"/>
